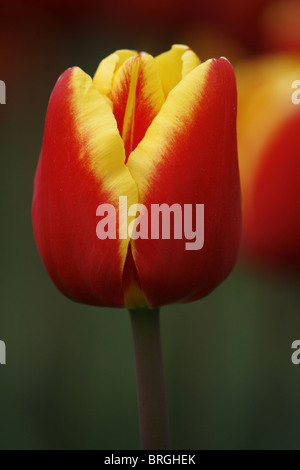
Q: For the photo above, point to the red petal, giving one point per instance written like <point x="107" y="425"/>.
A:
<point x="81" y="166"/>
<point x="189" y="156"/>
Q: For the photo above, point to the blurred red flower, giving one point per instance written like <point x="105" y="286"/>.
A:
<point x="269" y="153"/>
<point x="281" y="26"/>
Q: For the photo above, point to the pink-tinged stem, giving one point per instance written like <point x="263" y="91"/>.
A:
<point x="152" y="401"/>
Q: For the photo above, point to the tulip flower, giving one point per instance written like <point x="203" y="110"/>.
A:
<point x="158" y="131"/>
<point x="144" y="132"/>
<point x="269" y="151"/>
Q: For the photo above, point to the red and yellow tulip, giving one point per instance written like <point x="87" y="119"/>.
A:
<point x="157" y="130"/>
<point x="269" y="152"/>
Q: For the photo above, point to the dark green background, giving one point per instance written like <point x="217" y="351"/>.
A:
<point x="69" y="381"/>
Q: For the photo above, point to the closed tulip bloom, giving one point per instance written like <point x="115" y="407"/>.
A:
<point x="156" y="131"/>
<point x="269" y="151"/>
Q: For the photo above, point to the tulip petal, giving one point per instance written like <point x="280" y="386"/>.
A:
<point x="81" y="167"/>
<point x="189" y="156"/>
<point x="104" y="75"/>
<point x="174" y="65"/>
<point x="137" y="97"/>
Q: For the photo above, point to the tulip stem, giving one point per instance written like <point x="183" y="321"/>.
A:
<point x="152" y="401"/>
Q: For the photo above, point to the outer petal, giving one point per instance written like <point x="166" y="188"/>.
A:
<point x="81" y="166"/>
<point x="189" y="156"/>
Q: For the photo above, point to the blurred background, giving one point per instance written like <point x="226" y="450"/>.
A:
<point x="69" y="382"/>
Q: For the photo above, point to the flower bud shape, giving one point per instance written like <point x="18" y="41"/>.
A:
<point x="150" y="132"/>
<point x="269" y="152"/>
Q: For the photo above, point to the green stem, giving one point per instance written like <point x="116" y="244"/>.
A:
<point x="150" y="379"/>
